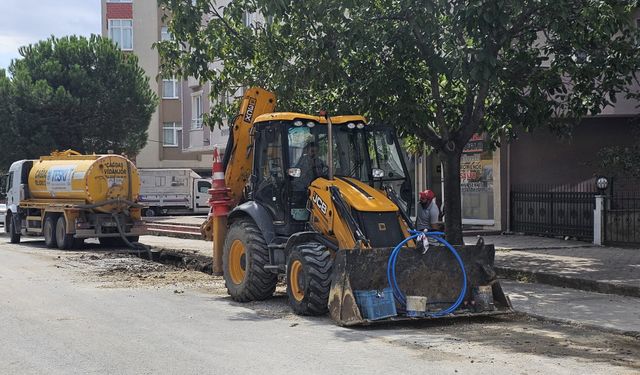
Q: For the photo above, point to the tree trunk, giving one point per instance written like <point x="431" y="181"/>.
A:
<point x="452" y="200"/>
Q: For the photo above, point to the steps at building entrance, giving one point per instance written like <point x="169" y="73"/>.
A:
<point x="178" y="230"/>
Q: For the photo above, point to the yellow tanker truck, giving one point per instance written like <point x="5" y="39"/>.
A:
<point x="68" y="197"/>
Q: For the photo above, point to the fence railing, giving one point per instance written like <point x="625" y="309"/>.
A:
<point x="622" y="218"/>
<point x="554" y="210"/>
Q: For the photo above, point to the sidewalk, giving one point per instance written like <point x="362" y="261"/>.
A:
<point x="601" y="311"/>
<point x="571" y="264"/>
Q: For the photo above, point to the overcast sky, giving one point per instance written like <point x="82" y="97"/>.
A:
<point x="27" y="21"/>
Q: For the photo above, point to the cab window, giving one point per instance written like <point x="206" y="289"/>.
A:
<point x="269" y="187"/>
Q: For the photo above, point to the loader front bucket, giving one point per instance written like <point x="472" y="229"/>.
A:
<point x="435" y="275"/>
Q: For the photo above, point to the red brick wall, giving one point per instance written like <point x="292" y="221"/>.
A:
<point x="119" y="11"/>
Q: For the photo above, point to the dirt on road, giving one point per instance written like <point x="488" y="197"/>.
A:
<point x="122" y="270"/>
<point x="517" y="333"/>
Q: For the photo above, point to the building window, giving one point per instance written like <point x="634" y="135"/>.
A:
<point x="196" y="111"/>
<point x="121" y="33"/>
<point x="171" y="134"/>
<point x="164" y="33"/>
<point x="170" y="88"/>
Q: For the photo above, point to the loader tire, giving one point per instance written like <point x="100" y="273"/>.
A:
<point x="309" y="278"/>
<point x="244" y="256"/>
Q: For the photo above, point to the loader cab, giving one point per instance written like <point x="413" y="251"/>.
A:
<point x="290" y="151"/>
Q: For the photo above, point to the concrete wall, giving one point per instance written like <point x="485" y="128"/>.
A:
<point x="542" y="157"/>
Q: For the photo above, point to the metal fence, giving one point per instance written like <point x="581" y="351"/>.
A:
<point x="554" y="210"/>
<point x="622" y="218"/>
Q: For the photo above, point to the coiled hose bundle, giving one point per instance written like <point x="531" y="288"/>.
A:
<point x="393" y="283"/>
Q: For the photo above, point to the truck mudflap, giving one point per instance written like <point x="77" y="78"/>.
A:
<point x="435" y="275"/>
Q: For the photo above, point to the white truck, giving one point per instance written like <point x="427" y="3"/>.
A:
<point x="173" y="191"/>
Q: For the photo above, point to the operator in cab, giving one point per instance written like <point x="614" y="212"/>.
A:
<point x="311" y="166"/>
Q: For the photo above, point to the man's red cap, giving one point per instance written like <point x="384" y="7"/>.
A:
<point x="426" y="196"/>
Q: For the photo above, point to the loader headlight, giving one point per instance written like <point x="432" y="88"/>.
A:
<point x="351" y="125"/>
<point x="360" y="126"/>
<point x="298" y="123"/>
<point x="311" y="124"/>
<point x="377" y="173"/>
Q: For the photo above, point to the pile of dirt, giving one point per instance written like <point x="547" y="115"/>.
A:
<point x="117" y="270"/>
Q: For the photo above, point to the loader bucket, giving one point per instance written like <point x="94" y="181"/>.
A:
<point x="435" y="275"/>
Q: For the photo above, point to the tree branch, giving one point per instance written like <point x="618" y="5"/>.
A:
<point x="472" y="125"/>
<point x="429" y="56"/>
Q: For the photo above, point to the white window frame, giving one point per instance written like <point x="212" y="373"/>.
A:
<point x="197" y="118"/>
<point x="165" y="34"/>
<point x="122" y="28"/>
<point x="176" y="87"/>
<point x="176" y="128"/>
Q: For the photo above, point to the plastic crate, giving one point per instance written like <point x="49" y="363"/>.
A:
<point x="376" y="304"/>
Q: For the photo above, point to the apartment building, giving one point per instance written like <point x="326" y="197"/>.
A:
<point x="177" y="137"/>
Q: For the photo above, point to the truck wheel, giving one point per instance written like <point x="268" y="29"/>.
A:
<point x="64" y="240"/>
<point x="49" y="231"/>
<point x="151" y="212"/>
<point x="309" y="278"/>
<point x="244" y="256"/>
<point x="12" y="229"/>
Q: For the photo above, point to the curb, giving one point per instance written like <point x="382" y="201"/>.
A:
<point x="578" y="324"/>
<point x="568" y="282"/>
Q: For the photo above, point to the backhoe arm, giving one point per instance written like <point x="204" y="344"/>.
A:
<point x="238" y="158"/>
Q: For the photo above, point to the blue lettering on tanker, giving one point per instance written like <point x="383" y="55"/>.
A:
<point x="59" y="178"/>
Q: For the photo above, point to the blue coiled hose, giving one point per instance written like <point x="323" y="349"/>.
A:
<point x="391" y="272"/>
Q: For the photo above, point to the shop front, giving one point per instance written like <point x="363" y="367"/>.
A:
<point x="479" y="179"/>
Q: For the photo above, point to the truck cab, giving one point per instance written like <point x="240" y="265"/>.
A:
<point x="16" y="186"/>
<point x="173" y="191"/>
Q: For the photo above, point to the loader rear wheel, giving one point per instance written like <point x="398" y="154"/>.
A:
<point x="309" y="279"/>
<point x="244" y="256"/>
<point x="49" y="232"/>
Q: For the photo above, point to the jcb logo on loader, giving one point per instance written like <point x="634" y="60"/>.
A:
<point x="319" y="202"/>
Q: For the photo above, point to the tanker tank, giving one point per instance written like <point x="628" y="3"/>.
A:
<point x="85" y="179"/>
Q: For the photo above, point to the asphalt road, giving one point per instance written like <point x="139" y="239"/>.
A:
<point x="93" y="312"/>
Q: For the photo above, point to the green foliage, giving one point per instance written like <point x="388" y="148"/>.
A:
<point x="439" y="70"/>
<point x="73" y="92"/>
<point x="621" y="161"/>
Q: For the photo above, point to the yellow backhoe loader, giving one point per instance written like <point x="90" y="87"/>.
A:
<point x="324" y="200"/>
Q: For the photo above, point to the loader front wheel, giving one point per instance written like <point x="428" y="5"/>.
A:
<point x="309" y="278"/>
<point x="244" y="256"/>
